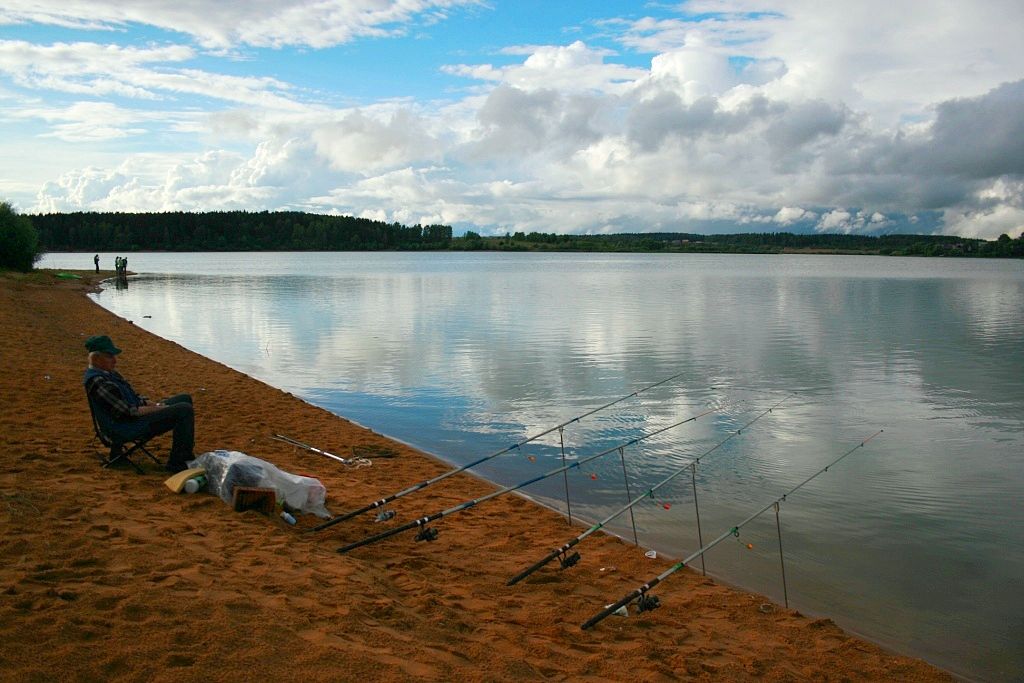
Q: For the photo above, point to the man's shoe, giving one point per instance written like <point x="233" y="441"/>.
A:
<point x="175" y="467"/>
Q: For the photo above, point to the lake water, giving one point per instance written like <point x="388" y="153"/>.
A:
<point x="914" y="541"/>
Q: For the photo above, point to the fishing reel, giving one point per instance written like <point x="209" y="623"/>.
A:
<point x="384" y="515"/>
<point x="647" y="603"/>
<point x="427" y="534"/>
<point x="568" y="560"/>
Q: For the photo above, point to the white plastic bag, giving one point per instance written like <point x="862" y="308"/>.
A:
<point x="227" y="469"/>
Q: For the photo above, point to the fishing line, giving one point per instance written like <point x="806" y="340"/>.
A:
<point x="428" y="534"/>
<point x="646" y="603"/>
<point x="561" y="552"/>
<point x="428" y="482"/>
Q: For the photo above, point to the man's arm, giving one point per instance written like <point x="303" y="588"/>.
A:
<point x="107" y="393"/>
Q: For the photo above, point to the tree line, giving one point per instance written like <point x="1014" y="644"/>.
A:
<point x="299" y="231"/>
<point x="751" y="243"/>
<point x="231" y="231"/>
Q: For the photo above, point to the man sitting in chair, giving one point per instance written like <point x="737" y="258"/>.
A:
<point x="132" y="416"/>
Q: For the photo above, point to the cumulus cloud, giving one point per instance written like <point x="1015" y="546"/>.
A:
<point x="805" y="122"/>
<point x="572" y="68"/>
<point x="888" y="59"/>
<point x="981" y="137"/>
<point x="839" y="220"/>
<point x="692" y="72"/>
<point x="83" y="188"/>
<point x="519" y="126"/>
<point x="986" y="223"/>
<point x="358" y="143"/>
<point x="271" y="177"/>
<point x="788" y="215"/>
<point x="750" y="115"/>
<point x="996" y="209"/>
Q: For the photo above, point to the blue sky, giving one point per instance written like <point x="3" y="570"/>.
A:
<point x="706" y="116"/>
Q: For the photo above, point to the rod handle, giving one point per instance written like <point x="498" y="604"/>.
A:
<point x="540" y="563"/>
<point x="381" y="536"/>
<point x="343" y="517"/>
<point x="600" y="616"/>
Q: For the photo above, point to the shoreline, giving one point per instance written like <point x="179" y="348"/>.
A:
<point x="116" y="578"/>
<point x="786" y="251"/>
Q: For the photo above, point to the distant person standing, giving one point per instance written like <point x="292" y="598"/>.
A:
<point x="96" y="260"/>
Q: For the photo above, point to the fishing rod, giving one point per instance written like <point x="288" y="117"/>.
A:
<point x="428" y="534"/>
<point x="568" y="561"/>
<point x="646" y="603"/>
<point x="427" y="482"/>
<point x="348" y="462"/>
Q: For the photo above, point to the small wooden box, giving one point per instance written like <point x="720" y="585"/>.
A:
<point x="253" y="498"/>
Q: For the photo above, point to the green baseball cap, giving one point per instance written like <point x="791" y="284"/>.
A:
<point x="102" y="344"/>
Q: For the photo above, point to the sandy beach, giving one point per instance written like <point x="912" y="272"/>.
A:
<point x="106" y="575"/>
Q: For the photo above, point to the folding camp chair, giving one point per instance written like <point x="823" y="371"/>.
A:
<point x="121" y="450"/>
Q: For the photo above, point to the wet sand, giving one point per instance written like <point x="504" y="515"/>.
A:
<point x="107" y="575"/>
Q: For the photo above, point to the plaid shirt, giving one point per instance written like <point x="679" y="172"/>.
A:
<point x="105" y="390"/>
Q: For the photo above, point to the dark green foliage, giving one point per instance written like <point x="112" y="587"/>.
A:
<point x="231" y="231"/>
<point x="753" y="243"/>
<point x="19" y="242"/>
<point x="293" y="230"/>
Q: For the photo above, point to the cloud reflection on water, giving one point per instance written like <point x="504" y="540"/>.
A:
<point x="466" y="354"/>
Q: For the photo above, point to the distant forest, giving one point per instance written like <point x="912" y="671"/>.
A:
<point x="298" y="231"/>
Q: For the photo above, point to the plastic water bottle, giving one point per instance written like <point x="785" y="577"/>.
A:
<point x="287" y="516"/>
<point x="195" y="483"/>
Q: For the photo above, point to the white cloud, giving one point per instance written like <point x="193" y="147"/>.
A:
<point x="999" y="220"/>
<point x="27" y="62"/>
<point x="89" y="188"/>
<point x="105" y="70"/>
<point x="692" y="72"/>
<point x="265" y="23"/>
<point x="998" y="209"/>
<point x="887" y="59"/>
<point x="358" y="143"/>
<point x="759" y="114"/>
<point x="272" y="177"/>
<point x="839" y="220"/>
<point x="572" y="68"/>
<point x="788" y="215"/>
<point x="92" y="121"/>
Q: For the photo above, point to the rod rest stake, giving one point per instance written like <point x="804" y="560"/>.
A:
<point x="646" y="603"/>
<point x="426" y="534"/>
<point x="569" y="560"/>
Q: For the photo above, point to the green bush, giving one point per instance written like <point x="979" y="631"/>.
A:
<point x="19" y="241"/>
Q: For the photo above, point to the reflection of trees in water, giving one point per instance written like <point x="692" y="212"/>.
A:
<point x="465" y="355"/>
<point x="543" y="343"/>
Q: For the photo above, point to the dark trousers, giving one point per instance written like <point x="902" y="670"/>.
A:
<point x="177" y="415"/>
